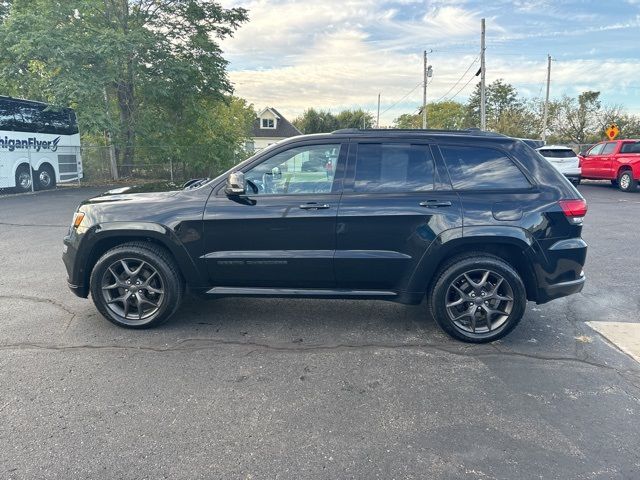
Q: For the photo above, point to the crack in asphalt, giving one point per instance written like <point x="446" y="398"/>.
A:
<point x="196" y="344"/>
<point x="29" y="298"/>
<point x="45" y="225"/>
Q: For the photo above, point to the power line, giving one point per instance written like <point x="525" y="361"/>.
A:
<point x="410" y="92"/>
<point x="459" y="80"/>
<point x="463" y="87"/>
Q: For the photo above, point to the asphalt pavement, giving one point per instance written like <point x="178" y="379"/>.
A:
<point x="296" y="389"/>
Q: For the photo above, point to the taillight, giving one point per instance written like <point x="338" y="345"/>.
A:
<point x="574" y="210"/>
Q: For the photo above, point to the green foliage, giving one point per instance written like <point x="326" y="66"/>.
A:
<point x="447" y="115"/>
<point x="314" y="121"/>
<point x="134" y="67"/>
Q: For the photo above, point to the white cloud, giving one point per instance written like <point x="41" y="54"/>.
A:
<point x="340" y="54"/>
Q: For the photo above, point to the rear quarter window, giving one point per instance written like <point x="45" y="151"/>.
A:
<point x="482" y="168"/>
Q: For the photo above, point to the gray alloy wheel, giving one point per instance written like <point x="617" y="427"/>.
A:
<point x="477" y="297"/>
<point x="479" y="301"/>
<point x="136" y="285"/>
<point x="132" y="289"/>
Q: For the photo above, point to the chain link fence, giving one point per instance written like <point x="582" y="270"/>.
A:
<point x="153" y="163"/>
<point x="30" y="167"/>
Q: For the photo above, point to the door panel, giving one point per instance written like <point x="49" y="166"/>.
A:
<point x="282" y="233"/>
<point x="269" y="241"/>
<point x="382" y="238"/>
<point x="391" y="211"/>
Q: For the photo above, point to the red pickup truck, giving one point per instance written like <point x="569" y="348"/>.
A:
<point x="618" y="161"/>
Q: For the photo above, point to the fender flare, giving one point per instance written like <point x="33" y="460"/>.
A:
<point x="451" y="242"/>
<point x="156" y="232"/>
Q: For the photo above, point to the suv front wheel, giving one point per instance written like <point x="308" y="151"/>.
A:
<point x="136" y="285"/>
<point x="478" y="298"/>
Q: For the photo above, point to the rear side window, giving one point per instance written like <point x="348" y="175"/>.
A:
<point x="481" y="168"/>
<point x="557" y="153"/>
<point x="630" y="148"/>
<point x="393" y="167"/>
<point x="609" y="148"/>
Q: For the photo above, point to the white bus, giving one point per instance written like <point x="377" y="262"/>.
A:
<point x="39" y="145"/>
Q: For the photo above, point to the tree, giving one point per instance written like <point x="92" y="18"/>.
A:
<point x="321" y="121"/>
<point x="316" y="121"/>
<point x="447" y="115"/>
<point x="506" y="113"/>
<point x="355" y="119"/>
<point x="577" y="119"/>
<point x="117" y="61"/>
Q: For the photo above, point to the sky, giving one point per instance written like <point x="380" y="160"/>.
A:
<point x="337" y="54"/>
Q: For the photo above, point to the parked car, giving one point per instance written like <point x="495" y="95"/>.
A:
<point x="564" y="159"/>
<point x="617" y="161"/>
<point x="471" y="220"/>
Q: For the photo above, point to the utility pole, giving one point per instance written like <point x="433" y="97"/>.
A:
<point x="483" y="94"/>
<point x="546" y="101"/>
<point x="378" y="116"/>
<point x="424" y="92"/>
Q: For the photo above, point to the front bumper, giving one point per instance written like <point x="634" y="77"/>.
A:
<point x="75" y="275"/>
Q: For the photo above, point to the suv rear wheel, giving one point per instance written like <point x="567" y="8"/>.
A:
<point x="626" y="183"/>
<point x="136" y="285"/>
<point x="478" y="298"/>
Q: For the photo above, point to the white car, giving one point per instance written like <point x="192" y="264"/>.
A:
<point x="564" y="159"/>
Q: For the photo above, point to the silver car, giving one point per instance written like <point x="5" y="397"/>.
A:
<point x="564" y="159"/>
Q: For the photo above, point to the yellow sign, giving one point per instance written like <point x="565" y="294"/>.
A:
<point x="612" y="131"/>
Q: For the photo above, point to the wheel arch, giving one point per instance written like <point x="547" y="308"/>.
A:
<point x="107" y="236"/>
<point x="512" y="244"/>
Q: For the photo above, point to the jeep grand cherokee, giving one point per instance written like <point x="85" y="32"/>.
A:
<point x="469" y="219"/>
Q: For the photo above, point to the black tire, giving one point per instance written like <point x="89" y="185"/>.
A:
<point x="45" y="178"/>
<point x="166" y="278"/>
<point x="626" y="182"/>
<point x="23" y="179"/>
<point x="441" y="301"/>
<point x="575" y="181"/>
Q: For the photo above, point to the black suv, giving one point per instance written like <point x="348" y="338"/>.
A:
<point x="473" y="220"/>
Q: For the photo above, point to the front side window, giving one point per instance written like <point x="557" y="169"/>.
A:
<point x="393" y="167"/>
<point x="481" y="168"/>
<point x="300" y="170"/>
<point x="608" y="148"/>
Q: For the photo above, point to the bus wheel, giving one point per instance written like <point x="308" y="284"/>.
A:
<point x="23" y="179"/>
<point x="45" y="178"/>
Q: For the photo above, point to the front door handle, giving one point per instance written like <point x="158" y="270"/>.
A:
<point x="314" y="206"/>
<point x="435" y="203"/>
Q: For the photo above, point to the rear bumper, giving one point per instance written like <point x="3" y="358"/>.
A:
<point x="562" y="275"/>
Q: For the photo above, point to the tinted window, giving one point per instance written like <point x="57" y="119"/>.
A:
<point x="480" y="168"/>
<point x="557" y="153"/>
<point x="393" y="167"/>
<point x="630" y="148"/>
<point x="299" y="170"/>
<point x="596" y="150"/>
<point x="609" y="148"/>
<point x="21" y="116"/>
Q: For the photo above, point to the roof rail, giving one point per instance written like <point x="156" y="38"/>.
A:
<point x="466" y="131"/>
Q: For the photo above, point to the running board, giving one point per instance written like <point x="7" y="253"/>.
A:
<point x="299" y="292"/>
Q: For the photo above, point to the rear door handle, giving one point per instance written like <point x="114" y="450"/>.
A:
<point x="314" y="206"/>
<point x="435" y="203"/>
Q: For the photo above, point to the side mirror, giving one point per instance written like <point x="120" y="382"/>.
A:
<point x="235" y="184"/>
